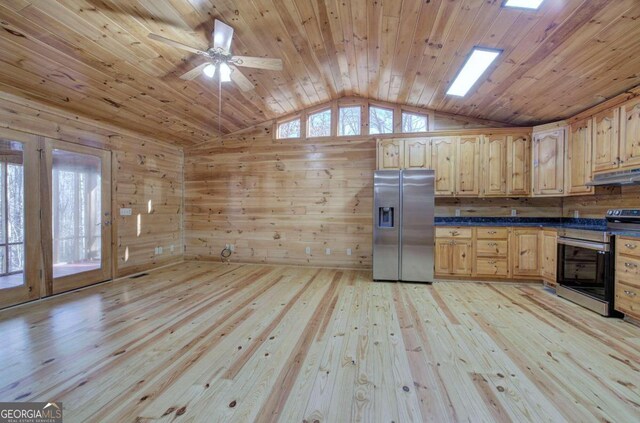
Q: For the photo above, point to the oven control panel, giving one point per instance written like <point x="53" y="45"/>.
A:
<point x="624" y="213"/>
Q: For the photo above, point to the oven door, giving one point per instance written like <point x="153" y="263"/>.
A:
<point x="585" y="274"/>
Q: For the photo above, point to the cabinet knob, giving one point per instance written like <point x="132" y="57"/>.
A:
<point x="493" y="244"/>
<point x="631" y="246"/>
<point x="493" y="262"/>
<point x="630" y="265"/>
<point x="492" y="232"/>
<point x="630" y="293"/>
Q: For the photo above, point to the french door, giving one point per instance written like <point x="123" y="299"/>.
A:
<point x="77" y="231"/>
<point x="20" y="263"/>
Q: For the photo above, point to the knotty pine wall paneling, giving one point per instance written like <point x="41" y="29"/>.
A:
<point x="147" y="177"/>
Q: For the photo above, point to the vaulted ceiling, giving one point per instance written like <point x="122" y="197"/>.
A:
<point x="93" y="57"/>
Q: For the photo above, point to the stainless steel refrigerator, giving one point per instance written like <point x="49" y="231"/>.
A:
<point x="403" y="225"/>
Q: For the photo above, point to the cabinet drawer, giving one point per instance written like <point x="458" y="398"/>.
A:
<point x="492" y="248"/>
<point x="492" y="267"/>
<point x="628" y="269"/>
<point x="628" y="299"/>
<point x="492" y="233"/>
<point x="454" y="232"/>
<point x="629" y="246"/>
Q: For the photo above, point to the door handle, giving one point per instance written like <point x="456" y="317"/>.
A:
<point x="631" y="246"/>
<point x="630" y="293"/>
<point x="630" y="265"/>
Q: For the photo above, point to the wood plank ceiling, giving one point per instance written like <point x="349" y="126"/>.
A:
<point x="93" y="57"/>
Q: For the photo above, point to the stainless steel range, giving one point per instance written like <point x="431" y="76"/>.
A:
<point x="585" y="269"/>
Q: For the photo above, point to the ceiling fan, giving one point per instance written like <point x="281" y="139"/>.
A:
<point x="220" y="59"/>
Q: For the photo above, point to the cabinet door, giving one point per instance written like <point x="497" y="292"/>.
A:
<point x="443" y="256"/>
<point x="578" y="163"/>
<point x="443" y="154"/>
<point x="468" y="166"/>
<point x="417" y="153"/>
<point x="519" y="161"/>
<point x="390" y="155"/>
<point x="525" y="252"/>
<point x="462" y="258"/>
<point x="606" y="141"/>
<point x="630" y="134"/>
<point x="549" y="256"/>
<point x="494" y="159"/>
<point x="548" y="163"/>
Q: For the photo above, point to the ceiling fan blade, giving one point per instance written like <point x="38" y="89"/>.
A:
<point x="258" y="62"/>
<point x="195" y="72"/>
<point x="175" y="44"/>
<point x="222" y="35"/>
<point x="240" y="80"/>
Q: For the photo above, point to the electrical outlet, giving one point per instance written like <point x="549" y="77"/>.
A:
<point x="514" y="212"/>
<point x="232" y="248"/>
<point x="327" y="251"/>
<point x="171" y="248"/>
<point x="125" y="212"/>
<point x="348" y="251"/>
<point x="308" y="250"/>
<point x="227" y="246"/>
<point x="159" y="250"/>
<point x="457" y="212"/>
<point x="576" y="214"/>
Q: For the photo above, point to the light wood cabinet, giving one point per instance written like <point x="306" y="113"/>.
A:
<point x="606" y="141"/>
<point x="468" y="166"/>
<point x="549" y="256"/>
<point x="443" y="161"/>
<point x="492" y="253"/>
<point x="525" y="252"/>
<point x="390" y="154"/>
<point x="548" y="162"/>
<point x="630" y="134"/>
<point x="494" y="166"/>
<point x="579" y="169"/>
<point x="518" y="165"/>
<point x="627" y="283"/>
<point x="454" y="253"/>
<point x="462" y="261"/>
<point x="417" y="153"/>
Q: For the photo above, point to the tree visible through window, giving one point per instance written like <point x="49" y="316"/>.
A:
<point x="380" y="120"/>
<point x="349" y="121"/>
<point x="412" y="122"/>
<point x="11" y="214"/>
<point x="290" y="129"/>
<point x="319" y="124"/>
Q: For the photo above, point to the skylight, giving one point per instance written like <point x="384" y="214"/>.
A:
<point x="524" y="4"/>
<point x="477" y="63"/>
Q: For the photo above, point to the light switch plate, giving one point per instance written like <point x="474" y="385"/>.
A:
<point x="125" y="211"/>
<point x="514" y="212"/>
<point x="348" y="251"/>
<point x="457" y="212"/>
<point x="307" y="250"/>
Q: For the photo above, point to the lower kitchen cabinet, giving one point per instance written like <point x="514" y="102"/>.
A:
<point x="627" y="288"/>
<point x="454" y="256"/>
<point x="525" y="252"/>
<point x="549" y="256"/>
<point x="492" y="252"/>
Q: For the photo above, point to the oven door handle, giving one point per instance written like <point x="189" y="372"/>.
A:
<point x="589" y="245"/>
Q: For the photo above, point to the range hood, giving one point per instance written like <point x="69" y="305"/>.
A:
<point x="626" y="177"/>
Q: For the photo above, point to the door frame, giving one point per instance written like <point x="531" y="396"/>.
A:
<point x="105" y="272"/>
<point x="31" y="288"/>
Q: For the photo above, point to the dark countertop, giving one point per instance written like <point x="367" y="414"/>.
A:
<point x="534" y="222"/>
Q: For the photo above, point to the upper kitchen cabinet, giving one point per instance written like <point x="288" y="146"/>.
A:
<point x="468" y="166"/>
<point x="630" y="134"/>
<point x="417" y="153"/>
<point x="443" y="161"/>
<point x="579" y="169"/>
<point x="548" y="162"/>
<point x="390" y="154"/>
<point x="518" y="165"/>
<point x="494" y="166"/>
<point x="606" y="141"/>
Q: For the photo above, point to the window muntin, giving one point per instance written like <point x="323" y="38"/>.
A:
<point x="380" y="120"/>
<point x="319" y="124"/>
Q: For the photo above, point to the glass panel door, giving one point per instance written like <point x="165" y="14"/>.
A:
<point x="80" y="215"/>
<point x="19" y="214"/>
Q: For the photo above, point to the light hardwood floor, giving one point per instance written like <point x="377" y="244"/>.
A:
<point x="213" y="342"/>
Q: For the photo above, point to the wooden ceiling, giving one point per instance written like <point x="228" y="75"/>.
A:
<point x="93" y="57"/>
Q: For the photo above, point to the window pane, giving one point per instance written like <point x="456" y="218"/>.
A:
<point x="11" y="214"/>
<point x="16" y="258"/>
<point x="76" y="209"/>
<point x="349" y="121"/>
<point x="380" y="120"/>
<point x="413" y="122"/>
<point x="289" y="129"/>
<point x="3" y="260"/>
<point x="15" y="209"/>
<point x="3" y="194"/>
<point x="320" y="124"/>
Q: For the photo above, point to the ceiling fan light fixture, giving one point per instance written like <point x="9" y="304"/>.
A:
<point x="209" y="70"/>
<point x="225" y="72"/>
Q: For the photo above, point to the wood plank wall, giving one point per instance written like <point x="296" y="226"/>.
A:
<point x="499" y="207"/>
<point x="143" y="170"/>
<point x="605" y="198"/>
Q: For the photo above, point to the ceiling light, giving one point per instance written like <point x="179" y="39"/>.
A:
<point x="209" y="70"/>
<point x="477" y="63"/>
<point x="524" y="4"/>
<point x="225" y="72"/>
